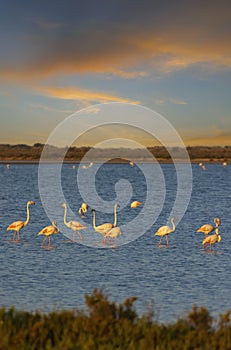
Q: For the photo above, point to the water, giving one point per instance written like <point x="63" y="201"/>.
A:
<point x="173" y="278"/>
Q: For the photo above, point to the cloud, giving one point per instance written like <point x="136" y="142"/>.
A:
<point x="51" y="109"/>
<point x="162" y="101"/>
<point x="44" y="24"/>
<point x="198" y="34"/>
<point x="74" y="93"/>
<point x="212" y="136"/>
<point x="177" y="102"/>
<point x="130" y="74"/>
<point x="91" y="110"/>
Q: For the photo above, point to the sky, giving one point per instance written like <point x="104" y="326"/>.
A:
<point x="173" y="57"/>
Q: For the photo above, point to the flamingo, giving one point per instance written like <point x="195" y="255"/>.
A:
<point x="18" y="225"/>
<point x="104" y="228"/>
<point x="207" y="228"/>
<point x="135" y="204"/>
<point x="212" y="239"/>
<point x="164" y="231"/>
<point x="74" y="225"/>
<point x="82" y="210"/>
<point x="113" y="233"/>
<point x="88" y="166"/>
<point x="48" y="231"/>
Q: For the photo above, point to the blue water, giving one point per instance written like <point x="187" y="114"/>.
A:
<point x="172" y="278"/>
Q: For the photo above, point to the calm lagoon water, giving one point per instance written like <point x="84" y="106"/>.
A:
<point x="173" y="278"/>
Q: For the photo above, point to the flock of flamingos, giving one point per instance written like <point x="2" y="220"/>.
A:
<point x="109" y="231"/>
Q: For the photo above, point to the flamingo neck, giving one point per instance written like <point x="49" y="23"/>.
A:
<point x="115" y="216"/>
<point x="28" y="214"/>
<point x="173" y="225"/>
<point x="94" y="220"/>
<point x="65" y="215"/>
<point x="56" y="229"/>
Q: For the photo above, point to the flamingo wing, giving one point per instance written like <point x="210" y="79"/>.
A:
<point x="162" y="231"/>
<point x="206" y="228"/>
<point x="114" y="232"/>
<point x="48" y="230"/>
<point x="104" y="227"/>
<point x="75" y="225"/>
<point x="15" y="226"/>
<point x="135" y="204"/>
<point x="211" y="239"/>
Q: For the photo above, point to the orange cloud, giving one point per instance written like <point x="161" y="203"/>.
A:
<point x="211" y="137"/>
<point x="165" y="47"/>
<point x="73" y="93"/>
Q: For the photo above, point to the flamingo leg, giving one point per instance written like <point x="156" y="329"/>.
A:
<point x="18" y="236"/>
<point x="80" y="236"/>
<point x="49" y="241"/>
<point x="210" y="247"/>
<point x="167" y="240"/>
<point x="13" y="238"/>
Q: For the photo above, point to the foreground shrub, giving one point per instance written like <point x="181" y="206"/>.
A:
<point x="107" y="325"/>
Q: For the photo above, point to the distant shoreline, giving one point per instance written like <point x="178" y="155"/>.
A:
<point x="112" y="161"/>
<point x="25" y="154"/>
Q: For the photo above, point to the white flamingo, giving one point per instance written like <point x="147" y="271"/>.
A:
<point x="74" y="225"/>
<point x="48" y="231"/>
<point x="113" y="233"/>
<point x="164" y="231"/>
<point x="18" y="225"/>
<point x="104" y="228"/>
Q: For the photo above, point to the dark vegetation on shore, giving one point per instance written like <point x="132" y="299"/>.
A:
<point x="23" y="152"/>
<point x="107" y="325"/>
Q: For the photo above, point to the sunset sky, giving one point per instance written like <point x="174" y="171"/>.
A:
<point x="171" y="56"/>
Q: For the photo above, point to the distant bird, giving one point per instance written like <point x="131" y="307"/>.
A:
<point x="207" y="228"/>
<point x="88" y="166"/>
<point x="113" y="233"/>
<point x="104" y="228"/>
<point x="74" y="225"/>
<point x="48" y="231"/>
<point x="224" y="164"/>
<point x="131" y="163"/>
<point x="73" y="167"/>
<point x="135" y="204"/>
<point x="202" y="166"/>
<point x="83" y="209"/>
<point x="164" y="231"/>
<point x="18" y="225"/>
<point x="212" y="239"/>
<point x="8" y="166"/>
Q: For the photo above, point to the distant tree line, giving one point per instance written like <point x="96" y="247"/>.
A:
<point x="25" y="152"/>
<point x="107" y="325"/>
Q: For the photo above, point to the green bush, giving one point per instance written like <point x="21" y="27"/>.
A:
<point x="107" y="325"/>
